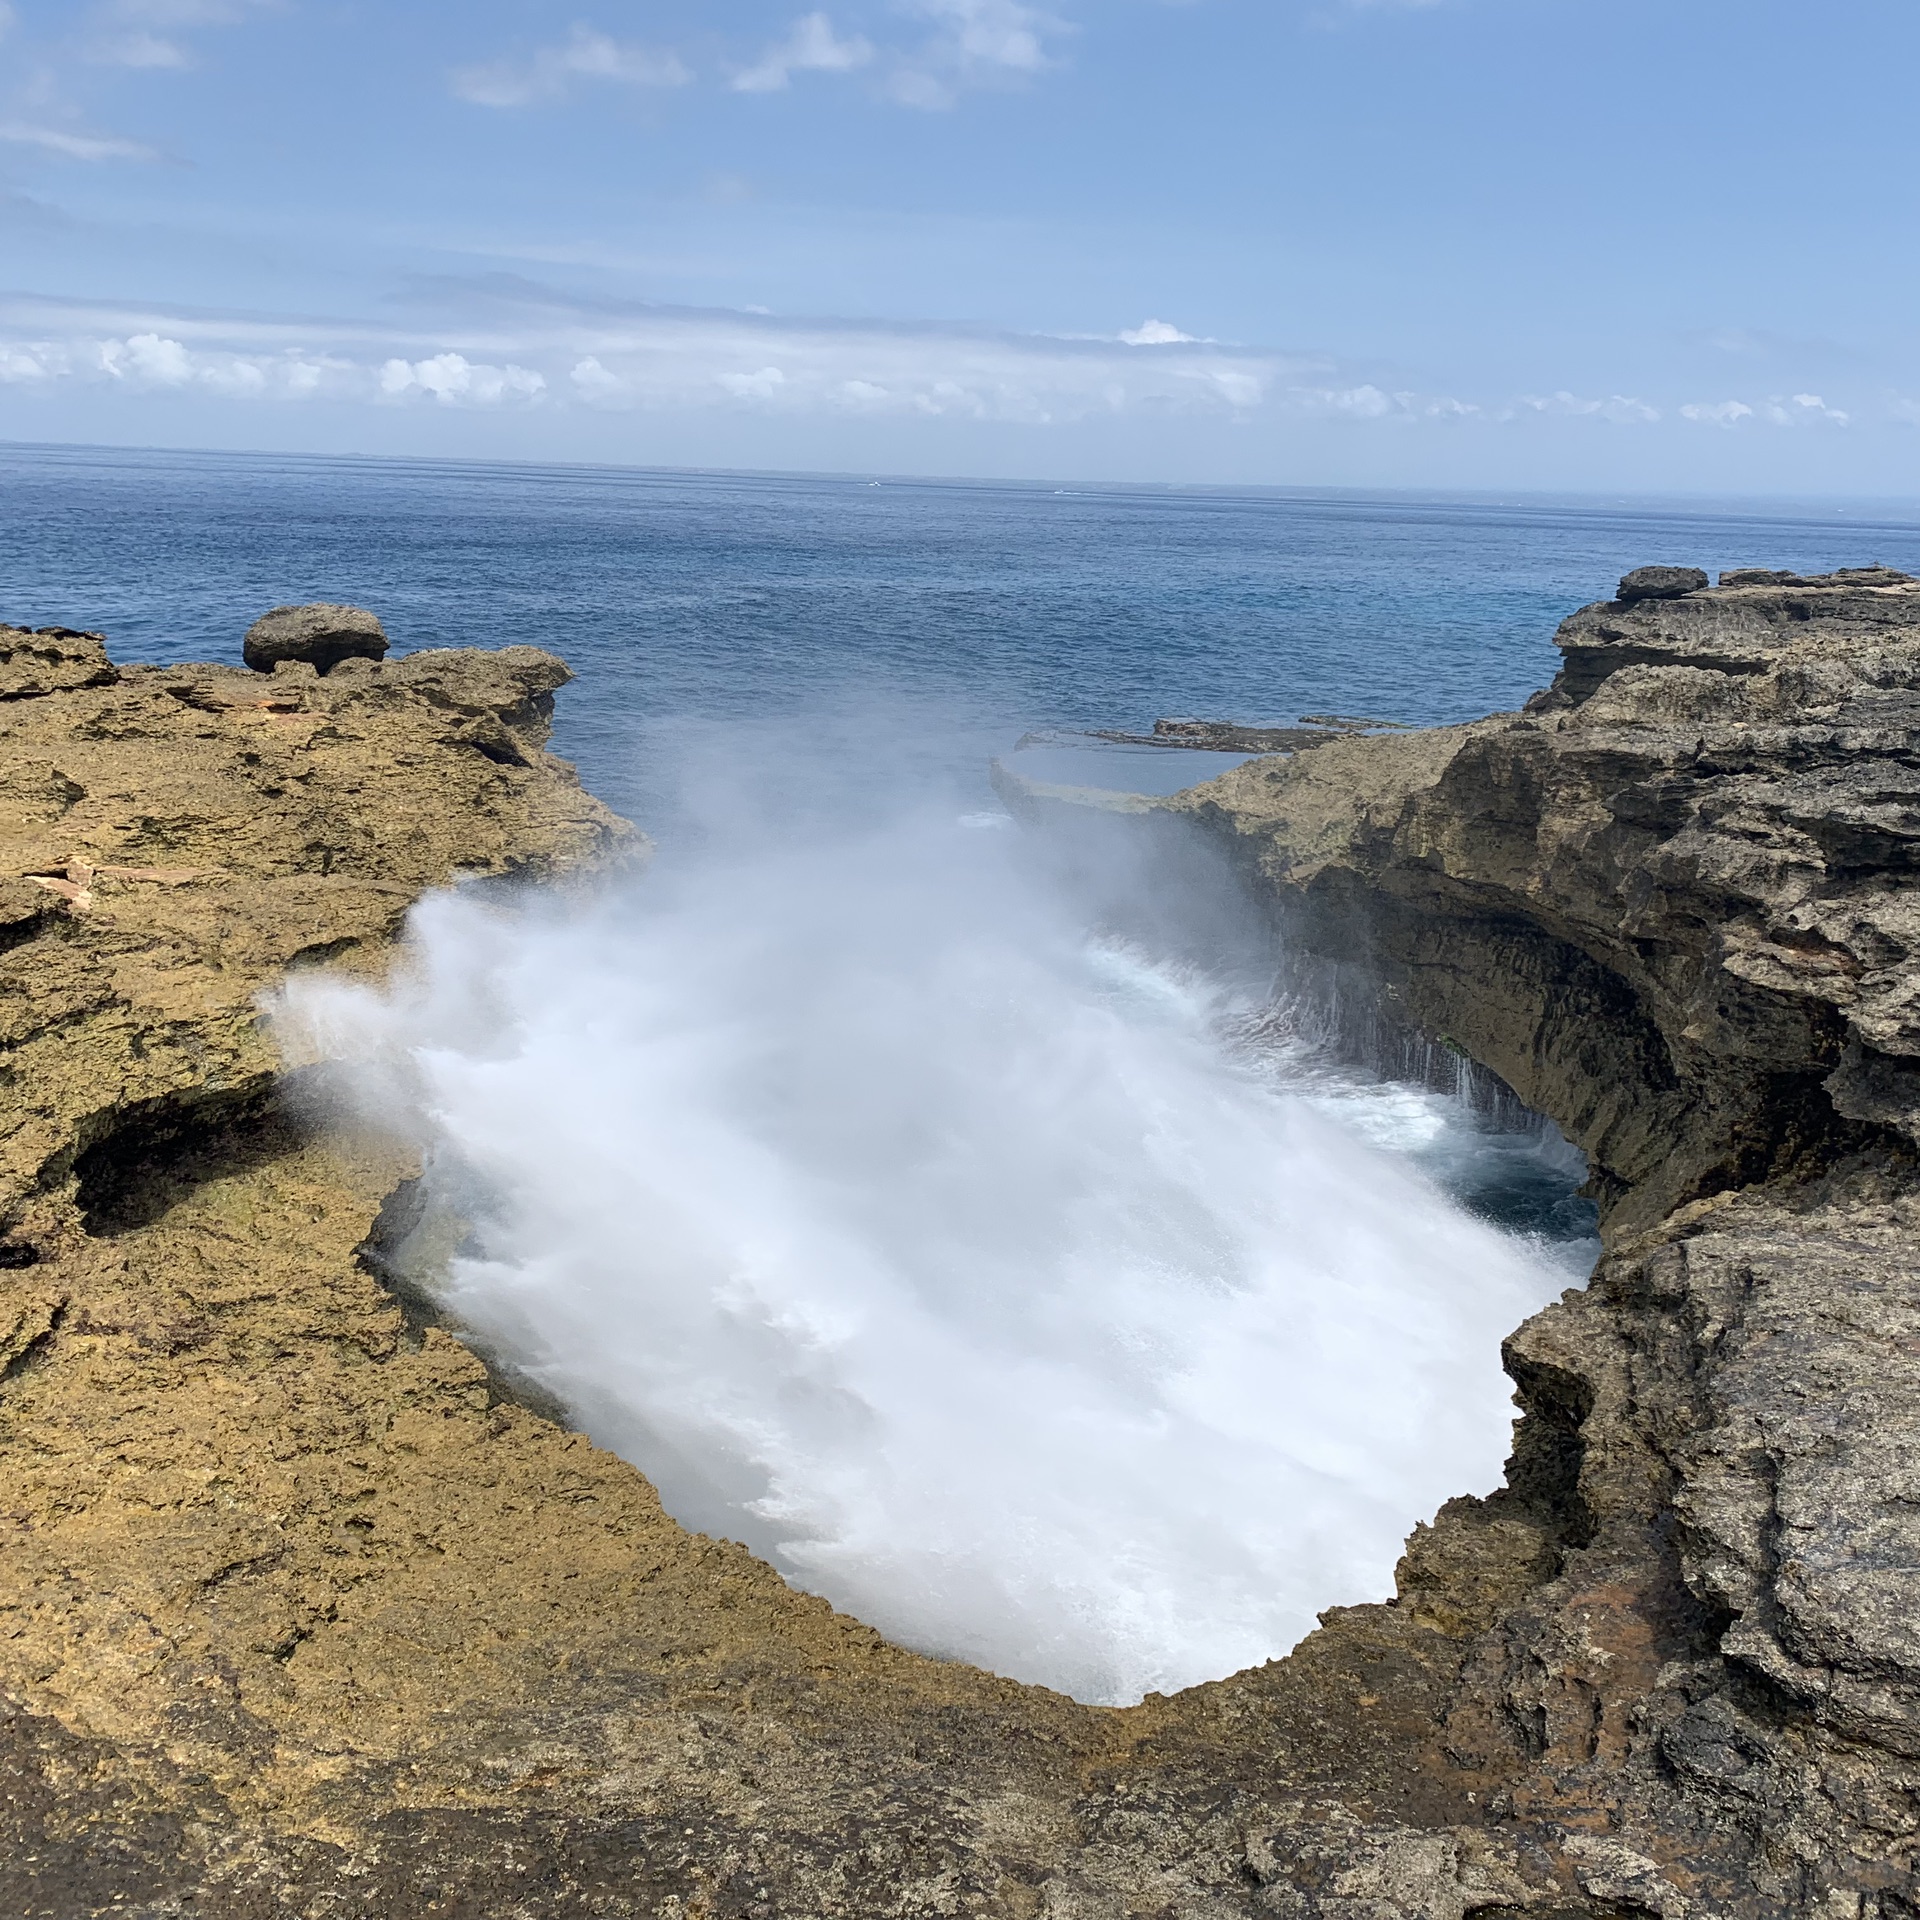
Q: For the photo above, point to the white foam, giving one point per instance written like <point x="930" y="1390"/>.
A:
<point x="942" y="1251"/>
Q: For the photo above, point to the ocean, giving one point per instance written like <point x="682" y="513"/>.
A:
<point x="965" y="1222"/>
<point x="723" y="601"/>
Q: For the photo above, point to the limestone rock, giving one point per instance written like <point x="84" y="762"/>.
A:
<point x="50" y="660"/>
<point x="320" y="634"/>
<point x="1659" y="583"/>
<point x="1759" y="577"/>
<point x="301" y="1612"/>
<point x="1669" y="904"/>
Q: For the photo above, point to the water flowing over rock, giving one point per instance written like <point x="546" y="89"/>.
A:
<point x="301" y="1611"/>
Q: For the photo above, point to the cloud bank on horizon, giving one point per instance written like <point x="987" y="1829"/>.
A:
<point x="1376" y="241"/>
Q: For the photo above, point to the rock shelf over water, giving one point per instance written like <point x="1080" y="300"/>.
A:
<point x="300" y="1615"/>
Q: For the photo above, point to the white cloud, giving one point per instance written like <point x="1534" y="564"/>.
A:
<point x="1370" y="402"/>
<point x="1365" y="402"/>
<point x="812" y="47"/>
<point x="71" y="145"/>
<point x="27" y="366"/>
<point x="975" y="43"/>
<point x="148" y="358"/>
<point x="667" y="359"/>
<point x="586" y="53"/>
<point x="454" y="380"/>
<point x="1621" y="408"/>
<point x="149" y="362"/>
<point x="552" y="354"/>
<point x="754" y="386"/>
<point x="1780" y="410"/>
<point x="154" y="360"/>
<point x="1156" y="333"/>
<point x="143" y="33"/>
<point x="35" y="105"/>
<point x="1811" y="406"/>
<point x="1719" y="413"/>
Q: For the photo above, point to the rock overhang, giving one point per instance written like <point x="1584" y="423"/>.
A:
<point x="1662" y="1672"/>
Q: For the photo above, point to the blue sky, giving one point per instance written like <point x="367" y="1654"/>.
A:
<point x="1475" y="243"/>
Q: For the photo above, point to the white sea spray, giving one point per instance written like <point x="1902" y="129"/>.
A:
<point x="904" y="1221"/>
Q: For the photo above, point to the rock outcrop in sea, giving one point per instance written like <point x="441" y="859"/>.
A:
<point x="302" y="1614"/>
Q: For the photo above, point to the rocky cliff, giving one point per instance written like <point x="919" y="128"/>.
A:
<point x="1672" y="905"/>
<point x="301" y="1614"/>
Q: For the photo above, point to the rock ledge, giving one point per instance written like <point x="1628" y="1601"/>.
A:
<point x="300" y="1615"/>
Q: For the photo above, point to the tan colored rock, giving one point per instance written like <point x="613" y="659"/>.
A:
<point x="302" y="1614"/>
<point x="50" y="660"/>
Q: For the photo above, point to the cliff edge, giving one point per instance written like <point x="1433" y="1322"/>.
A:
<point x="1672" y="904"/>
<point x="301" y="1614"/>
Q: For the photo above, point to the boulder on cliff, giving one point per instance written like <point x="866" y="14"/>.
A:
<point x="321" y="633"/>
<point x="1659" y="583"/>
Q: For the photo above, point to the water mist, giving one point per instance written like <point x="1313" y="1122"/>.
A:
<point x="902" y="1206"/>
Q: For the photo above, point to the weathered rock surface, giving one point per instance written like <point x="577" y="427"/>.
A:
<point x="320" y="634"/>
<point x="50" y="660"/>
<point x="299" y="1615"/>
<point x="1673" y="906"/>
<point x="1659" y="583"/>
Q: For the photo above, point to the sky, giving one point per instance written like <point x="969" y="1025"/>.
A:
<point x="1398" y="243"/>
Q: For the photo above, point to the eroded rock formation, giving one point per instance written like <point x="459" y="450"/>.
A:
<point x="1673" y="906"/>
<point x="299" y="1615"/>
<point x="321" y="634"/>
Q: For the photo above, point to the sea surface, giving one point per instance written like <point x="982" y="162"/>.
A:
<point x="991" y="1230"/>
<point x="730" y="601"/>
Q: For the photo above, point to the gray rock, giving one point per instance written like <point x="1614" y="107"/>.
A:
<point x="1759" y="577"/>
<point x="1674" y="909"/>
<point x="1874" y="576"/>
<point x="320" y="633"/>
<point x="1660" y="583"/>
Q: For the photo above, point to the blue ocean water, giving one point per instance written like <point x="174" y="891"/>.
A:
<point x="726" y="600"/>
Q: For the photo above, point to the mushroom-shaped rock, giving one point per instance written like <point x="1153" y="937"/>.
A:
<point x="1660" y="583"/>
<point x="320" y="633"/>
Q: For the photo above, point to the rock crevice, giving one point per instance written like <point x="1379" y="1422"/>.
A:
<point x="1670" y="905"/>
<point x="300" y="1614"/>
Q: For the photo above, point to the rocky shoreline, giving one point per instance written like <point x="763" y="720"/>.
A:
<point x="300" y="1616"/>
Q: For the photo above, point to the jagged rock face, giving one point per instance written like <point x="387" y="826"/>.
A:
<point x="1669" y="903"/>
<point x="50" y="660"/>
<point x="171" y="841"/>
<point x="1672" y="905"/>
<point x="300" y="1615"/>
